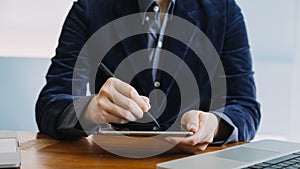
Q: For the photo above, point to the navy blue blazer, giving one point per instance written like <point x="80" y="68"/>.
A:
<point x="220" y="20"/>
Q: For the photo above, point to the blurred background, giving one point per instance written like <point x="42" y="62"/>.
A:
<point x="29" y="34"/>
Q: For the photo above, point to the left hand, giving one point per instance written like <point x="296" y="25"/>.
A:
<point x="205" y="127"/>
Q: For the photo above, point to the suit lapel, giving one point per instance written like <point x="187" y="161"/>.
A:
<point x="124" y="8"/>
<point x="187" y="10"/>
<point x="135" y="42"/>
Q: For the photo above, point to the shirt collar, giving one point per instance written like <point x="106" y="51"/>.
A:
<point x="144" y="6"/>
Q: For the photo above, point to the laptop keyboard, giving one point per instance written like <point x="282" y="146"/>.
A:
<point x="291" y="161"/>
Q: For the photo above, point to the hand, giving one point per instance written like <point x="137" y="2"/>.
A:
<point x="205" y="127"/>
<point x="116" y="102"/>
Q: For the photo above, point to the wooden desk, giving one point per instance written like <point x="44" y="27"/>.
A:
<point x="42" y="152"/>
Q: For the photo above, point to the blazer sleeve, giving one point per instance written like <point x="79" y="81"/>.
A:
<point x="55" y="102"/>
<point x="241" y="105"/>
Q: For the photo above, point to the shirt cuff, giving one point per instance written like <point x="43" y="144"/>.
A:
<point x="231" y="130"/>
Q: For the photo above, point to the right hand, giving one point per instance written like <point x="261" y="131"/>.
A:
<point x="116" y="102"/>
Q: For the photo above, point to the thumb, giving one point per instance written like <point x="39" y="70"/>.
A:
<point x="191" y="121"/>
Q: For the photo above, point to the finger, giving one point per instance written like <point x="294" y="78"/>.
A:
<point x="189" y="141"/>
<point x="202" y="147"/>
<point x="109" y="118"/>
<point x="200" y="137"/>
<point x="191" y="120"/>
<point x="147" y="100"/>
<point x="126" y="103"/>
<point x="205" y="127"/>
<point x="111" y="108"/>
<point x="130" y="92"/>
<point x="186" y="141"/>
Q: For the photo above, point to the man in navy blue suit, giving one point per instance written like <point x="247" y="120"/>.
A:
<point x="124" y="103"/>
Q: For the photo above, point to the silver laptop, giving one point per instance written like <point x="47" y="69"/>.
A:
<point x="260" y="154"/>
<point x="9" y="150"/>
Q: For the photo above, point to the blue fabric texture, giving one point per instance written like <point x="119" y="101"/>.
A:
<point x="220" y="20"/>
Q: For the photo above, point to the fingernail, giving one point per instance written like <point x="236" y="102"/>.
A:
<point x="124" y="122"/>
<point x="148" y="100"/>
<point x="149" y="106"/>
<point x="145" y="107"/>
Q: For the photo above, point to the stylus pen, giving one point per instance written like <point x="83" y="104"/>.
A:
<point x="110" y="74"/>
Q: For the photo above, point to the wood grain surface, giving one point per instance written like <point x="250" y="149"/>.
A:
<point x="39" y="151"/>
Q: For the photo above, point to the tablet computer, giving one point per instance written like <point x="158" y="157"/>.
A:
<point x="9" y="150"/>
<point x="147" y="133"/>
<point x="148" y="129"/>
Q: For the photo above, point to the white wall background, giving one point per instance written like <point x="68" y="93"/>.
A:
<point x="30" y="28"/>
<point x="274" y="36"/>
<point x="29" y="34"/>
<point x="295" y="124"/>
